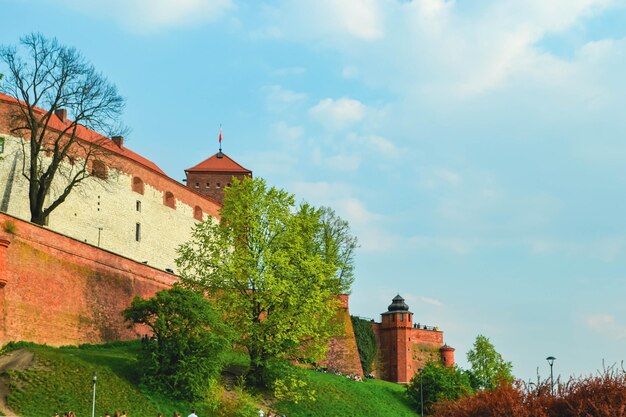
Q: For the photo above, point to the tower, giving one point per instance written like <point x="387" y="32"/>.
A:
<point x="395" y="332"/>
<point x="212" y="175"/>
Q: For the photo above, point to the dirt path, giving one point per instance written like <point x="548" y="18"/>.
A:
<point x="18" y="360"/>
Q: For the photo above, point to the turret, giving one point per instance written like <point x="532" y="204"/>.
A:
<point x="447" y="355"/>
<point x="397" y="314"/>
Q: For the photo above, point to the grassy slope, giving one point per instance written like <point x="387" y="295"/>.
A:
<point x="61" y="381"/>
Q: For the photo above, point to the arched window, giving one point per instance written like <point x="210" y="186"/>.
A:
<point x="99" y="170"/>
<point x="169" y="200"/>
<point x="138" y="185"/>
<point x="197" y="213"/>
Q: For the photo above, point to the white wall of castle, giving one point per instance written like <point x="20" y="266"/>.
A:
<point x="104" y="213"/>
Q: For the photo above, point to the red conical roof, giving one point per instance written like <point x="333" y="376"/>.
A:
<point x="220" y="162"/>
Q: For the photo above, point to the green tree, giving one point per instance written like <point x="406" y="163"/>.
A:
<point x="488" y="367"/>
<point x="365" y="342"/>
<point x="272" y="268"/>
<point x="185" y="355"/>
<point x="438" y="383"/>
<point x="43" y="74"/>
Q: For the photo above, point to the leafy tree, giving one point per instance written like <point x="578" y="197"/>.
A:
<point x="273" y="268"/>
<point x="488" y="367"/>
<point x="42" y="74"/>
<point x="185" y="355"/>
<point x="365" y="342"/>
<point x="438" y="383"/>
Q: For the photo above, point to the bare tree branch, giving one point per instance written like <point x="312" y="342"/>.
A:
<point x="46" y="77"/>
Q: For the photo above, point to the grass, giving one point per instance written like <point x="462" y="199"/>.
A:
<point x="339" y="396"/>
<point x="61" y="380"/>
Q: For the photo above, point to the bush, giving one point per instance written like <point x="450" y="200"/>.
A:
<point x="602" y="395"/>
<point x="438" y="383"/>
<point x="186" y="353"/>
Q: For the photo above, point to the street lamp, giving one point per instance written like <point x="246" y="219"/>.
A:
<point x="551" y="360"/>
<point x="93" y="404"/>
<point x="421" y="392"/>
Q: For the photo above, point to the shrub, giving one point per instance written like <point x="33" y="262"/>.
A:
<point x="602" y="395"/>
<point x="9" y="226"/>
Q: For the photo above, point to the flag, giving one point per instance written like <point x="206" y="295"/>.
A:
<point x="220" y="137"/>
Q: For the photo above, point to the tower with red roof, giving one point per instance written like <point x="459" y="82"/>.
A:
<point x="212" y="175"/>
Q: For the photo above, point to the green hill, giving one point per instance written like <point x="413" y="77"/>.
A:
<point x="50" y="380"/>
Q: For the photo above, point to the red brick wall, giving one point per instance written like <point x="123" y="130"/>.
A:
<point x="213" y="179"/>
<point x="343" y="354"/>
<point x="62" y="291"/>
<point x="404" y="349"/>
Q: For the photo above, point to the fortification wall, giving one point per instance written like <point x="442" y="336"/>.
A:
<point x="62" y="291"/>
<point x="128" y="213"/>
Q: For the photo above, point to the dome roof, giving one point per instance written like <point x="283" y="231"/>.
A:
<point x="398" y="304"/>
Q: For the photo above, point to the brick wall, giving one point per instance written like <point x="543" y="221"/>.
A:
<point x="62" y="291"/>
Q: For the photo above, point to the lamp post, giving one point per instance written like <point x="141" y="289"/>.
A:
<point x="421" y="392"/>
<point x="93" y="404"/>
<point x="551" y="360"/>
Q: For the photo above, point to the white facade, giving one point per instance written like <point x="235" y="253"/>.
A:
<point x="108" y="213"/>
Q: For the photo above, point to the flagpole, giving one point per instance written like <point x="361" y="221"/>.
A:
<point x="220" y="138"/>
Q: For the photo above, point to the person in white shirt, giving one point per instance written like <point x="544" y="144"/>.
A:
<point x="193" y="414"/>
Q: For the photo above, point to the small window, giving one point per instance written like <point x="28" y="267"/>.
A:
<point x="138" y="206"/>
<point x="99" y="170"/>
<point x="197" y="213"/>
<point x="138" y="232"/>
<point x="228" y="185"/>
<point x="169" y="200"/>
<point x="138" y="185"/>
<point x="1" y="145"/>
<point x="207" y="185"/>
<point x="197" y="185"/>
<point x="219" y="185"/>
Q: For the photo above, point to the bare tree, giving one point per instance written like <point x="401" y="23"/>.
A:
<point x="59" y="94"/>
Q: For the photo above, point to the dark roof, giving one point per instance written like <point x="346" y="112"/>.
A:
<point x="397" y="306"/>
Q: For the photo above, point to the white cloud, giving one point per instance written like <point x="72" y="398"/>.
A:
<point x="286" y="133"/>
<point x="280" y="99"/>
<point x="338" y="113"/>
<point x="153" y="15"/>
<point x="377" y="144"/>
<point x="607" y="325"/>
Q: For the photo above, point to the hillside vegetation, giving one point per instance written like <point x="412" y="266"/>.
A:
<point x="60" y="380"/>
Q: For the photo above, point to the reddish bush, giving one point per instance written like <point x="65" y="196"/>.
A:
<point x="602" y="395"/>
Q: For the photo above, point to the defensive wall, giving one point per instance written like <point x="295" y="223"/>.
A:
<point x="58" y="290"/>
<point x="404" y="346"/>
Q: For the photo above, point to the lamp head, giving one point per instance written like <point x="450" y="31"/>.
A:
<point x="550" y="360"/>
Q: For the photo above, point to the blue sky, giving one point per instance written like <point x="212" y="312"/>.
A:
<point x="477" y="148"/>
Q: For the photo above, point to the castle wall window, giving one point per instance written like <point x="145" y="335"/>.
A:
<point x="138" y="206"/>
<point x="207" y="185"/>
<point x="99" y="170"/>
<point x="197" y="213"/>
<point x="138" y="186"/>
<point x="169" y="200"/>
<point x="197" y="185"/>
<point x="219" y="185"/>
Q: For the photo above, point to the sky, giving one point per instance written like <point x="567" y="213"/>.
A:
<point x="476" y="148"/>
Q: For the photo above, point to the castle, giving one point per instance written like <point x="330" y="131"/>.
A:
<point x="116" y="236"/>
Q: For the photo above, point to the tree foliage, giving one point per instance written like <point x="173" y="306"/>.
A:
<point x="489" y="369"/>
<point x="365" y="342"/>
<point x="438" y="383"/>
<point x="273" y="268"/>
<point x="185" y="354"/>
<point x="43" y="74"/>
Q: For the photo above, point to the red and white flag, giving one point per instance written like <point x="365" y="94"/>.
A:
<point x="220" y="137"/>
